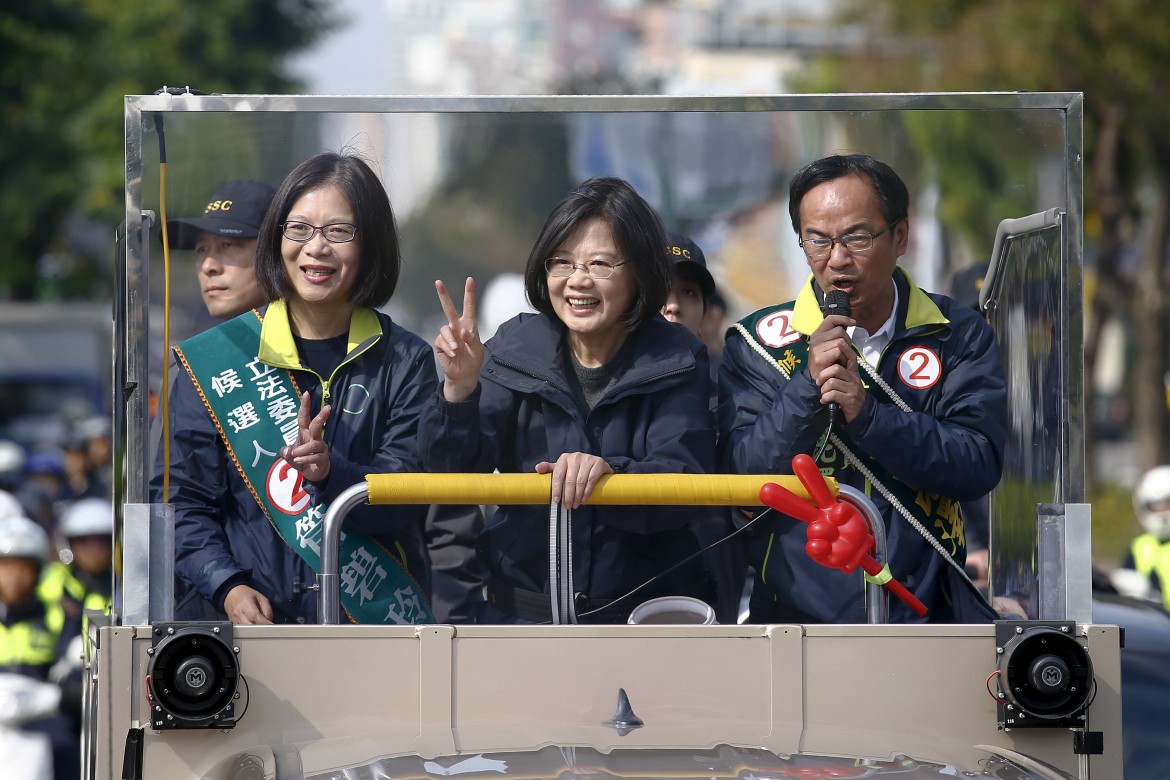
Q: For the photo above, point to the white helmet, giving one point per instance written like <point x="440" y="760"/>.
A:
<point x="22" y="538"/>
<point x="1151" y="501"/>
<point x="11" y="457"/>
<point x="88" y="517"/>
<point x="9" y="505"/>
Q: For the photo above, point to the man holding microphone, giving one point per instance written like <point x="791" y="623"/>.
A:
<point x="919" y="422"/>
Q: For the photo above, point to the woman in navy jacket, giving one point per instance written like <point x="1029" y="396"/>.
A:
<point x="595" y="383"/>
<point x="248" y="508"/>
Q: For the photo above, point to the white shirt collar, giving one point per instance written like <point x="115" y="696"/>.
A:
<point x="871" y="346"/>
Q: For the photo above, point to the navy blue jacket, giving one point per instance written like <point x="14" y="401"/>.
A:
<point x="950" y="443"/>
<point x="656" y="419"/>
<point x="222" y="537"/>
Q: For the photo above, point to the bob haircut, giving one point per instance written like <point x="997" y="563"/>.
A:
<point x="637" y="232"/>
<point x="381" y="262"/>
<point x="891" y="190"/>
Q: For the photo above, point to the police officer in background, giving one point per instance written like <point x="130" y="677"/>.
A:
<point x="34" y="634"/>
<point x="1146" y="571"/>
<point x="84" y="581"/>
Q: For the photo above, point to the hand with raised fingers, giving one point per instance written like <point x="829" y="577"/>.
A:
<point x="310" y="454"/>
<point x="459" y="350"/>
<point x="574" y="476"/>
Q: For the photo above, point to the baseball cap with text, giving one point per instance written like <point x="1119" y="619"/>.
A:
<point x="687" y="253"/>
<point x="235" y="210"/>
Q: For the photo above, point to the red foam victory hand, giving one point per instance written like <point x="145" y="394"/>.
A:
<point x="837" y="534"/>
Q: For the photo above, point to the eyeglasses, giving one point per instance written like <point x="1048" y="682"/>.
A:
<point x="338" y="233"/>
<point x="819" y="248"/>
<point x="597" y="269"/>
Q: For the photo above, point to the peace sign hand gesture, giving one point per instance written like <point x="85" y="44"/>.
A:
<point x="458" y="347"/>
<point x="310" y="454"/>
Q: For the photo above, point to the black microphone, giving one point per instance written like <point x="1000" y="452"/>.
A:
<point x="836" y="302"/>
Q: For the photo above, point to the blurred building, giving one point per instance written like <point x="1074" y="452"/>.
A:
<point x="501" y="47"/>
<point x="692" y="47"/>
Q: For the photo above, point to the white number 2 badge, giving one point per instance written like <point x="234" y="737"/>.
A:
<point x="776" y="330"/>
<point x="919" y="367"/>
<point x="285" y="489"/>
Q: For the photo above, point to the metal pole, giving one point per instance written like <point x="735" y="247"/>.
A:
<point x="877" y="598"/>
<point x="328" y="586"/>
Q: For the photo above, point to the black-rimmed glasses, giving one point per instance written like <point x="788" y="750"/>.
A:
<point x="337" y="233"/>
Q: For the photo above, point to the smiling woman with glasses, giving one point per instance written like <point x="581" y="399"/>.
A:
<point x="287" y="405"/>
<point x="595" y="382"/>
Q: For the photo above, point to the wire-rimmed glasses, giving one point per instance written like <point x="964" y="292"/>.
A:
<point x="563" y="266"/>
<point x="820" y="248"/>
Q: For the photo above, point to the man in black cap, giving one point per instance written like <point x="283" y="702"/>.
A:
<point x="224" y="240"/>
<point x="691" y="288"/>
<point x="691" y="284"/>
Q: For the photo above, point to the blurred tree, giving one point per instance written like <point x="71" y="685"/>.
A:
<point x="65" y="68"/>
<point x="525" y="164"/>
<point x="458" y="233"/>
<point x="1115" y="54"/>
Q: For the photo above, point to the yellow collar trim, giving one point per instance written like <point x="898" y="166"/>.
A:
<point x="277" y="347"/>
<point x="920" y="310"/>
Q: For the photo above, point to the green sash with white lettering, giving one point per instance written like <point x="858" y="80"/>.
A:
<point x="770" y="333"/>
<point x="255" y="407"/>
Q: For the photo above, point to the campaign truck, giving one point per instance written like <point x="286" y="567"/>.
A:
<point x="1035" y="694"/>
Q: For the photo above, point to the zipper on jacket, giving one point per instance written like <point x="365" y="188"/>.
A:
<point x="522" y="371"/>
<point x="327" y="384"/>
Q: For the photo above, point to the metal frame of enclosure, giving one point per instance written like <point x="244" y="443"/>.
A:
<point x="332" y="701"/>
<point x="1049" y="441"/>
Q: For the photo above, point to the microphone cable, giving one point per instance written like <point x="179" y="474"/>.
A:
<point x="828" y="434"/>
<point x="667" y="571"/>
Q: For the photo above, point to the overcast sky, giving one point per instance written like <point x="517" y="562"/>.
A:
<point x="349" y="60"/>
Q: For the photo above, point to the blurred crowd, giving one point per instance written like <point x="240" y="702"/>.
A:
<point x="46" y="475"/>
<point x="56" y="561"/>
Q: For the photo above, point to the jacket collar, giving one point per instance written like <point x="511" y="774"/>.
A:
<point x="915" y="308"/>
<point x="277" y="347"/>
<point x="532" y="344"/>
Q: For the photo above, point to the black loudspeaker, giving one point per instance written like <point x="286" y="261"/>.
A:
<point x="193" y="676"/>
<point x="1045" y="675"/>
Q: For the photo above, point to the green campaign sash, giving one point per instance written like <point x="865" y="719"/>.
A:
<point x="254" y="406"/>
<point x="771" y="334"/>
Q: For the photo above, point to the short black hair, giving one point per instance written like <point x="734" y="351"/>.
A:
<point x="891" y="190"/>
<point x="381" y="262"/>
<point x="637" y="232"/>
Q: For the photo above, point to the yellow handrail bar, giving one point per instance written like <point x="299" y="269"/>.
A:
<point x="611" y="489"/>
